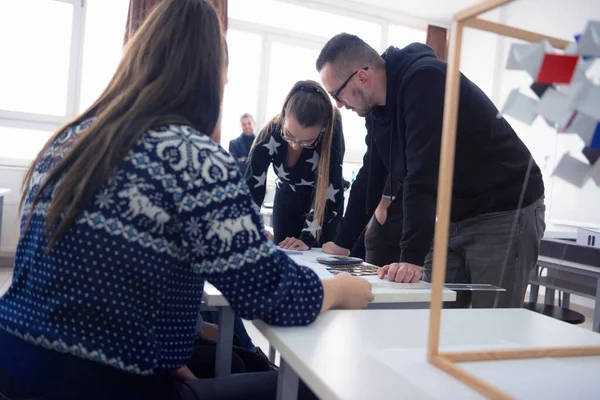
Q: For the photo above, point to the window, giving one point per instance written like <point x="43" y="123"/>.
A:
<point x="289" y="64"/>
<point x="302" y="19"/>
<point x="21" y="144"/>
<point x="242" y="89"/>
<point x="102" y="47"/>
<point x="401" y="36"/>
<point x="36" y="55"/>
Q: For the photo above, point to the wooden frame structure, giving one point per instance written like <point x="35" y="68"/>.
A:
<point x="446" y="361"/>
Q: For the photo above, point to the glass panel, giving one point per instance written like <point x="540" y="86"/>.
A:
<point x="35" y="48"/>
<point x="401" y="36"/>
<point x="241" y="91"/>
<point x="303" y="19"/>
<point x="103" y="43"/>
<point x="21" y="144"/>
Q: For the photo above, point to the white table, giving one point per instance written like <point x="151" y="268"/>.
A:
<point x="387" y="295"/>
<point x="380" y="354"/>
<point x="577" y="268"/>
<point x="3" y="192"/>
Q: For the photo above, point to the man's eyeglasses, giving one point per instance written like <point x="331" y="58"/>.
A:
<point x="346" y="82"/>
<point x="306" y="144"/>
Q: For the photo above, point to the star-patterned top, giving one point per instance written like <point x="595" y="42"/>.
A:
<point x="272" y="149"/>
<point x="123" y="286"/>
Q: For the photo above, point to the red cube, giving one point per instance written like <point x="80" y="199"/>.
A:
<point x="557" y="68"/>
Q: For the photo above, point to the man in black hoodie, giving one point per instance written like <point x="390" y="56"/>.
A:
<point x="497" y="218"/>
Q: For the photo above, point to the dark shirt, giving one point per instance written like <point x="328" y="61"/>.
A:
<point x="493" y="167"/>
<point x="240" y="148"/>
<point x="301" y="179"/>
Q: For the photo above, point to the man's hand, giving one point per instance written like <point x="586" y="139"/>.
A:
<point x="381" y="210"/>
<point x="291" y="243"/>
<point x="332" y="248"/>
<point x="401" y="272"/>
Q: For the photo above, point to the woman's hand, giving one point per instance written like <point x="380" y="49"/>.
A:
<point x="291" y="243"/>
<point x="209" y="331"/>
<point x="347" y="292"/>
<point x="332" y="248"/>
<point x="184" y="374"/>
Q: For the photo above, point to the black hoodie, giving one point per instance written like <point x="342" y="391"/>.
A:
<point x="492" y="165"/>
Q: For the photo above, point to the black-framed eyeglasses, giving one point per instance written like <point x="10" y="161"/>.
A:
<point x="305" y="144"/>
<point x="346" y="82"/>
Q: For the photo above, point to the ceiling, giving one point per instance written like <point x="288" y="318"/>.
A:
<point x="432" y="10"/>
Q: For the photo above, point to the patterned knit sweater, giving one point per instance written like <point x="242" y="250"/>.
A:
<point x="123" y="287"/>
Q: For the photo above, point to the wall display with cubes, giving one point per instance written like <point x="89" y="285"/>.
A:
<point x="568" y="97"/>
<point x="568" y="100"/>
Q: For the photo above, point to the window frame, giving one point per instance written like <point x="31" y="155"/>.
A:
<point x="27" y="120"/>
<point x="269" y="35"/>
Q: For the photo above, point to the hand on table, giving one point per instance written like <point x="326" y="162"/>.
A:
<point x="291" y="243"/>
<point x="347" y="292"/>
<point x="401" y="272"/>
<point x="332" y="248"/>
<point x="269" y="235"/>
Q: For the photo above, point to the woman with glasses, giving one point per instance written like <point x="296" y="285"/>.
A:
<point x="305" y="144"/>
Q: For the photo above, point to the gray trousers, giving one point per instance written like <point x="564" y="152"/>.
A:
<point x="497" y="248"/>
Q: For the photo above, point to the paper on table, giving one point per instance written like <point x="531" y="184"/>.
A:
<point x="548" y="378"/>
<point x="378" y="283"/>
<point x="289" y="251"/>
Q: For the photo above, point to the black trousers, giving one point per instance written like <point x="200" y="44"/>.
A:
<point x="251" y="378"/>
<point x="289" y="212"/>
<point x="382" y="242"/>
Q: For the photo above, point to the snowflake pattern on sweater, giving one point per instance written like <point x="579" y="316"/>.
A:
<point x="123" y="286"/>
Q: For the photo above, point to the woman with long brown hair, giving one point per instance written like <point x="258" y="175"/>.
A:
<point x="305" y="145"/>
<point x="127" y="210"/>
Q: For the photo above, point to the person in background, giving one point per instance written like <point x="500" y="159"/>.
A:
<point x="240" y="147"/>
<point x="497" y="215"/>
<point x="305" y="145"/>
<point x="127" y="210"/>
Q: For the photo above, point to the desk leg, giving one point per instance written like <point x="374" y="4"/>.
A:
<point x="272" y="354"/>
<point x="596" y="326"/>
<point x="549" y="297"/>
<point x="566" y="300"/>
<point x="534" y="292"/>
<point x="287" y="383"/>
<point x="224" y="342"/>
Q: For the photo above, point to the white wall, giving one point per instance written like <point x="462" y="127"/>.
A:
<point x="483" y="60"/>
